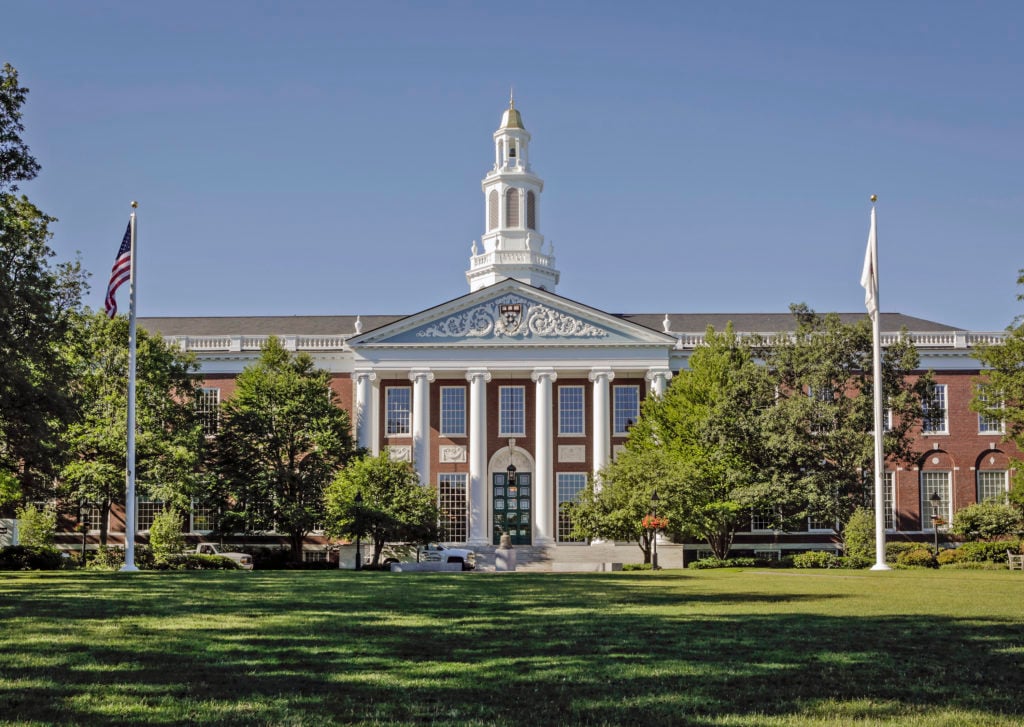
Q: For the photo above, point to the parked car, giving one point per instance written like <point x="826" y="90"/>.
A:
<point x="244" y="560"/>
<point x="437" y="553"/>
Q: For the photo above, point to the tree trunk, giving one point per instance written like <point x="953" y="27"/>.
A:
<point x="295" y="540"/>
<point x="104" y="516"/>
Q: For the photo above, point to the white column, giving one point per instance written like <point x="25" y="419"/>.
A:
<point x="602" y="417"/>
<point x="659" y="379"/>
<point x="421" y="379"/>
<point x="478" y="485"/>
<point x="365" y="403"/>
<point x="544" y="477"/>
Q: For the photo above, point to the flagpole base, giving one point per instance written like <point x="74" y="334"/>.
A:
<point x="880" y="566"/>
<point x="129" y="569"/>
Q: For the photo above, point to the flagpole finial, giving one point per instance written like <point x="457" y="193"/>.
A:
<point x="134" y="204"/>
<point x="874" y="198"/>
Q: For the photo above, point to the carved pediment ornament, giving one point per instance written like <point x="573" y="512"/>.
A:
<point x="512" y="317"/>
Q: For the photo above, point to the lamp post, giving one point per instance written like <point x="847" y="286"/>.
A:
<point x="936" y="501"/>
<point x="359" y="529"/>
<point x="654" y="540"/>
<point x="83" y="510"/>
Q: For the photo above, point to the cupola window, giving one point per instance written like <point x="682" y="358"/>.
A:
<point x="531" y="210"/>
<point x="492" y="210"/>
<point x="512" y="207"/>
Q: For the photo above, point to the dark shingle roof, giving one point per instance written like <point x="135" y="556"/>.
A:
<point x="334" y="325"/>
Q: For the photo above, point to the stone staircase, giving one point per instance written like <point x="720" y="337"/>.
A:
<point x="576" y="558"/>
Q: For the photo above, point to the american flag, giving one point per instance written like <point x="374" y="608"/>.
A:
<point x="121" y="271"/>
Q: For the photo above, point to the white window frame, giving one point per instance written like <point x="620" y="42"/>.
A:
<point x="985" y="423"/>
<point x="564" y="411"/>
<point x="569" y="485"/>
<point x="508" y="417"/>
<point x="208" y="409"/>
<point x="930" y="483"/>
<point x="818" y="526"/>
<point x="760" y="515"/>
<point x="621" y="422"/>
<point x="889" y="489"/>
<point x="151" y="507"/>
<point x="450" y="413"/>
<point x="314" y="556"/>
<point x="453" y="502"/>
<point x="211" y="514"/>
<point x="1004" y="485"/>
<point x="939" y="392"/>
<point x="395" y="412"/>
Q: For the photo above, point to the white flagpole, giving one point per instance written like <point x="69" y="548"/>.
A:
<point x="876" y="337"/>
<point x="129" y="530"/>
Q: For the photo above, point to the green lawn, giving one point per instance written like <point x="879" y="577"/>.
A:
<point x="781" y="647"/>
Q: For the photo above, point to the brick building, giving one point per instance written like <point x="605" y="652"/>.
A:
<point x="513" y="373"/>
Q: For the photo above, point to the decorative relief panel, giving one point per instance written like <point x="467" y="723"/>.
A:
<point x="452" y="453"/>
<point x="512" y="316"/>
<point x="572" y="453"/>
<point x="400" y="452"/>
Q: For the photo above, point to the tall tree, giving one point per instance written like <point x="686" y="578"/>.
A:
<point x="696" y="446"/>
<point x="381" y="499"/>
<point x="168" y="438"/>
<point x="819" y="434"/>
<point x="37" y="300"/>
<point x="1000" y="392"/>
<point x="282" y="439"/>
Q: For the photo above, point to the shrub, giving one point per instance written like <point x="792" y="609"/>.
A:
<point x="920" y="557"/>
<point x="895" y="549"/>
<point x="166" y="538"/>
<point x="636" y="566"/>
<point x="859" y="535"/>
<point x="949" y="556"/>
<point x="106" y="558"/>
<point x="36" y="527"/>
<point x="994" y="551"/>
<point x="816" y="559"/>
<point x="193" y="561"/>
<point x="30" y="557"/>
<point x="707" y="563"/>
<point x="986" y="520"/>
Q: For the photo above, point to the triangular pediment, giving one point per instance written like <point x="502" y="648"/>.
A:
<point x="515" y="314"/>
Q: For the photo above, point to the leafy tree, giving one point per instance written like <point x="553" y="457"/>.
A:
<point x="168" y="441"/>
<point x="37" y="300"/>
<point x="859" y="537"/>
<point x="395" y="508"/>
<point x="16" y="163"/>
<point x="986" y="520"/>
<point x="166" y="536"/>
<point x="282" y="439"/>
<point x="1000" y="394"/>
<point x="819" y="434"/>
<point x="36" y="527"/>
<point x="694" y="446"/>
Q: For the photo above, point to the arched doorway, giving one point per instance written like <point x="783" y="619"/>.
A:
<point x="511" y="503"/>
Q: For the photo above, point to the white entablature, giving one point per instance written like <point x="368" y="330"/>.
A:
<point x="512" y="245"/>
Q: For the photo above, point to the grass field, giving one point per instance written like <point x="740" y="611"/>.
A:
<point x="727" y="647"/>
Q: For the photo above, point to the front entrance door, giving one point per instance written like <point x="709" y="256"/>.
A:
<point x="512" y="508"/>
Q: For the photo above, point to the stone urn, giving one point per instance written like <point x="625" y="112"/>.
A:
<point x="506" y="541"/>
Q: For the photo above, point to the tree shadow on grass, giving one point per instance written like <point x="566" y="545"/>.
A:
<point x="486" y="651"/>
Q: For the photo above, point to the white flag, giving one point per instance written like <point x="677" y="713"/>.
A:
<point x="869" y="278"/>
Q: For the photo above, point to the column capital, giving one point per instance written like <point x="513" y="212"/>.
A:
<point x="365" y="374"/>
<point x="539" y="374"/>
<point x="606" y="373"/>
<point x="473" y="374"/>
<point x="654" y="373"/>
<point x="417" y="374"/>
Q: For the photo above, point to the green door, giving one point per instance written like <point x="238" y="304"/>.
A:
<point x="512" y="508"/>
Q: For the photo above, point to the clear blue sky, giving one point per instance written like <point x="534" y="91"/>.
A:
<point x="326" y="157"/>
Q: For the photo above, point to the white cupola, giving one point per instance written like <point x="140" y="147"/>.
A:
<point x="512" y="245"/>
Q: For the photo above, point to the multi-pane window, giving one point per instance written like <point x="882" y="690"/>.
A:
<point x="626" y="408"/>
<point x="454" y="505"/>
<point x="208" y="410"/>
<point x="890" y="500"/>
<point x="570" y="485"/>
<point x="453" y="411"/>
<point x="570" y="410"/>
<point x="511" y="411"/>
<point x="314" y="556"/>
<point x="991" y="485"/>
<point x="91" y="517"/>
<point x="821" y="524"/>
<point x="768" y="554"/>
<point x="147" y="508"/>
<point x="761" y="520"/>
<point x="934" y="415"/>
<point x="203" y="517"/>
<point x="932" y="483"/>
<point x="398" y="410"/>
<point x="989" y="424"/>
